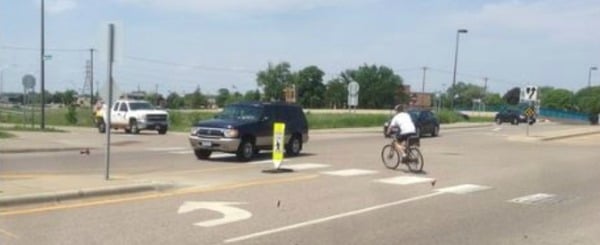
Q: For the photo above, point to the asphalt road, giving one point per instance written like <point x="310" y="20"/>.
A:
<point x="479" y="187"/>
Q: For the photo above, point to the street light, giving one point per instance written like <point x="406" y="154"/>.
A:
<point x="593" y="68"/>
<point x="42" y="66"/>
<point x="458" y="32"/>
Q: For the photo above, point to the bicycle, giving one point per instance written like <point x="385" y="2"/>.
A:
<point x="414" y="159"/>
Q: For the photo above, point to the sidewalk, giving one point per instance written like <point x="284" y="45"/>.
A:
<point x="558" y="134"/>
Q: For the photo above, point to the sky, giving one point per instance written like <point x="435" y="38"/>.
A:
<point x="181" y="45"/>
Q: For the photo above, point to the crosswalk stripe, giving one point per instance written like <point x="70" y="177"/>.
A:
<point x="306" y="166"/>
<point x="350" y="172"/>
<point x="533" y="199"/>
<point x="463" y="189"/>
<point x="405" y="180"/>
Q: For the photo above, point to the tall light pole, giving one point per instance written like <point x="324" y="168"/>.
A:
<point x="424" y="75"/>
<point x="42" y="69"/>
<point x="593" y="68"/>
<point x="458" y="32"/>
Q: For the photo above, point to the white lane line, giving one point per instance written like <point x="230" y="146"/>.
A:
<point x="306" y="166"/>
<point x="350" y="172"/>
<point x="533" y="199"/>
<point x="268" y="161"/>
<point x="496" y="129"/>
<point x="167" y="148"/>
<point x="463" y="189"/>
<point x="181" y="152"/>
<point x="330" y="218"/>
<point x="405" y="180"/>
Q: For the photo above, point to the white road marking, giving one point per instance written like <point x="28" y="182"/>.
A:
<point x="496" y="129"/>
<point x="350" y="172"/>
<point x="268" y="161"/>
<point x="330" y="218"/>
<point x="306" y="166"/>
<point x="230" y="214"/>
<point x="181" y="152"/>
<point x="533" y="199"/>
<point x="405" y="180"/>
<point x="167" y="148"/>
<point x="463" y="189"/>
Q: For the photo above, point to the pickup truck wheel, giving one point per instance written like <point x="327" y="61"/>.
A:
<point x="245" y="151"/>
<point x="294" y="147"/>
<point x="162" y="131"/>
<point x="133" y="126"/>
<point x="101" y="126"/>
<point x="202" y="154"/>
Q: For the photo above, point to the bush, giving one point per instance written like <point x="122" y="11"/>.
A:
<point x="71" y="115"/>
<point x="447" y="116"/>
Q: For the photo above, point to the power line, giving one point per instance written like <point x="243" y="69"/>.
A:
<point x="198" y="67"/>
<point x="37" y="49"/>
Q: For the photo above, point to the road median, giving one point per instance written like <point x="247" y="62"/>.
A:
<point x="65" y="195"/>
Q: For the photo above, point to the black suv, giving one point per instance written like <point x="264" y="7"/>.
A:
<point x="424" y="120"/>
<point x="246" y="128"/>
<point x="513" y="116"/>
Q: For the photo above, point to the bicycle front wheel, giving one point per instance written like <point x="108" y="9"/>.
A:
<point x="415" y="160"/>
<point x="390" y="157"/>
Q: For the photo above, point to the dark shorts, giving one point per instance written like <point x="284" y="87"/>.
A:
<point x="404" y="137"/>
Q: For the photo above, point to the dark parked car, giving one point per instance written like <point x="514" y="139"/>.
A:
<point x="513" y="116"/>
<point x="247" y="128"/>
<point x="424" y="120"/>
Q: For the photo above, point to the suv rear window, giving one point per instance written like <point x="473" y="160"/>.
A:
<point x="241" y="112"/>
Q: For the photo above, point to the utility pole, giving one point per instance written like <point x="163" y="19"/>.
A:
<point x="42" y="69"/>
<point x="485" y="80"/>
<point x="92" y="78"/>
<point x="424" y="75"/>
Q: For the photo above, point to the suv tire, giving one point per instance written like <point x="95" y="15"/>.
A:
<point x="162" y="131"/>
<point x="245" y="151"/>
<point x="202" y="154"/>
<point x="294" y="147"/>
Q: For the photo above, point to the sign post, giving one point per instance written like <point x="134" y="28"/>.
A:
<point x="353" y="89"/>
<point x="278" y="148"/>
<point x="529" y="113"/>
<point x="111" y="59"/>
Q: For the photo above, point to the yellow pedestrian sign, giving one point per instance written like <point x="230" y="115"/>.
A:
<point x="278" y="143"/>
<point x="529" y="112"/>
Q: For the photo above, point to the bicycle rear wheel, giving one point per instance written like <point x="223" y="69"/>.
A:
<point x="390" y="157"/>
<point x="415" y="160"/>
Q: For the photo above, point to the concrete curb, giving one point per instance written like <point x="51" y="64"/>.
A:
<point x="59" y="196"/>
<point x="32" y="150"/>
<point x="571" y="135"/>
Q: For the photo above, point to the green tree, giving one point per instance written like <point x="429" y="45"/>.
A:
<point x="336" y="94"/>
<point x="465" y="93"/>
<point x="310" y="90"/>
<point x="274" y="80"/>
<point x="493" y="100"/>
<point x="512" y="96"/>
<point x="379" y="86"/>
<point x="588" y="100"/>
<point x="71" y="115"/>
<point x="252" y="95"/>
<point x="174" y="101"/>
<point x="195" y="100"/>
<point x="69" y="97"/>
<point x="154" y="98"/>
<point x="222" y="97"/>
<point x="558" y="99"/>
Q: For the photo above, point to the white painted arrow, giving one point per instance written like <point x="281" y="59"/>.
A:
<point x="230" y="214"/>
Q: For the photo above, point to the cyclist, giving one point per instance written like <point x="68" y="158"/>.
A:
<point x="406" y="128"/>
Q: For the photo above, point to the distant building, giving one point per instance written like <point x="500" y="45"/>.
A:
<point x="419" y="99"/>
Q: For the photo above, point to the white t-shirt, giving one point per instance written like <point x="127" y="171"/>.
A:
<point x="404" y="122"/>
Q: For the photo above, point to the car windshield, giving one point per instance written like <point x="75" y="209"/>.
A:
<point x="140" y="106"/>
<point x="240" y="112"/>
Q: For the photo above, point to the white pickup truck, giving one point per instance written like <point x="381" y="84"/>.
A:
<point x="133" y="116"/>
